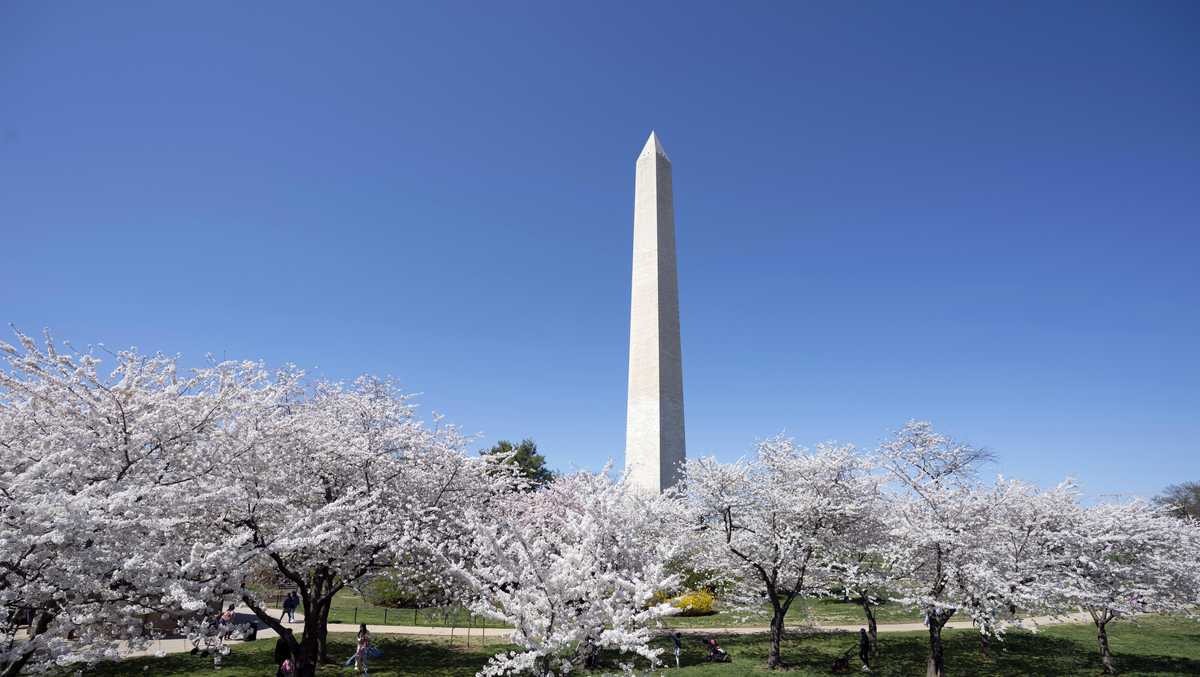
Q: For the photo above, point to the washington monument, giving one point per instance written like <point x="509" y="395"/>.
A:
<point x="654" y="421"/>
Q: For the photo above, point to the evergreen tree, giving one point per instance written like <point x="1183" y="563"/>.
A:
<point x="530" y="464"/>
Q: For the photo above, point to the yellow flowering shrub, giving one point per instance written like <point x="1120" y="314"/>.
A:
<point x="694" y="603"/>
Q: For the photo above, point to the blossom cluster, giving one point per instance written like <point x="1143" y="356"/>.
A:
<point x="142" y="496"/>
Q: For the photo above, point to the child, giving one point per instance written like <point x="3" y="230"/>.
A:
<point x="225" y="627"/>
<point x="364" y="646"/>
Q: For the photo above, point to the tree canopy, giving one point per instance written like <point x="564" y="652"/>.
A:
<point x="529" y="463"/>
<point x="145" y="491"/>
<point x="1182" y="499"/>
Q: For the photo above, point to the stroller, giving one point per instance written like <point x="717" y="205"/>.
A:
<point x="715" y="653"/>
<point x="841" y="664"/>
<point x="209" y="638"/>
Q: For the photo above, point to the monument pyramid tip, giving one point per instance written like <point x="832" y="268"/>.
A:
<point x="655" y="145"/>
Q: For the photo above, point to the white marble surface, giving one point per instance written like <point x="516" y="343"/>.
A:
<point x="654" y="434"/>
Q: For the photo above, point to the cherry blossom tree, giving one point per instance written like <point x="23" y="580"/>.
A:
<point x="937" y="538"/>
<point x="1124" y="559"/>
<point x="150" y="490"/>
<point x="1016" y="559"/>
<point x="772" y="528"/>
<point x="94" y="469"/>
<point x="863" y="568"/>
<point x="1027" y="527"/>
<point x="573" y="567"/>
<point x="347" y="484"/>
<point x="991" y="551"/>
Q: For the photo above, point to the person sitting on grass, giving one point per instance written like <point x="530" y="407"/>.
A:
<point x="283" y="659"/>
<point x="715" y="652"/>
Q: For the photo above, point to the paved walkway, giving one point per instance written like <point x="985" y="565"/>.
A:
<point x="480" y="635"/>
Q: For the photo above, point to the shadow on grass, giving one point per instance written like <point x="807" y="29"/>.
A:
<point x="1169" y="647"/>
<point x="905" y="654"/>
<point x="401" y="656"/>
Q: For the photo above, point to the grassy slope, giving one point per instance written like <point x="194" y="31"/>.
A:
<point x="820" y="611"/>
<point x="350" y="608"/>
<point x="1155" y="646"/>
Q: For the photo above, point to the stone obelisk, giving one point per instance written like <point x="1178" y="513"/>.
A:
<point x="654" y="446"/>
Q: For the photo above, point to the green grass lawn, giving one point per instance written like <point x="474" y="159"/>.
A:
<point x="819" y="611"/>
<point x="1154" y="646"/>
<point x="402" y="656"/>
<point x="348" y="607"/>
<point x="434" y="617"/>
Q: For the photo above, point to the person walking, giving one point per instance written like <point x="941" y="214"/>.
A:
<point x="289" y="607"/>
<point x="364" y="646"/>
<point x="225" y="626"/>
<point x="864" y="649"/>
<point x="591" y="653"/>
<point x="678" y="639"/>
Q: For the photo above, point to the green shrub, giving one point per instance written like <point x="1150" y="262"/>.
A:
<point x="692" y="579"/>
<point x="695" y="603"/>
<point x="386" y="592"/>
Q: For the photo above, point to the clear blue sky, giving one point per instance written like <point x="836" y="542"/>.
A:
<point x="982" y="214"/>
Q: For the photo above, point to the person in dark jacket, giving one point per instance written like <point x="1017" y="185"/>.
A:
<point x="591" y="653"/>
<point x="289" y="607"/>
<point x="864" y="649"/>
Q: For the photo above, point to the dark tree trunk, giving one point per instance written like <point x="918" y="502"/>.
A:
<point x="1105" y="653"/>
<point x="872" y="629"/>
<point x="774" y="658"/>
<point x="316" y="623"/>
<point x="323" y="630"/>
<point x="985" y="644"/>
<point x="303" y="651"/>
<point x="14" y="668"/>
<point x="936" y="666"/>
<point x="308" y="649"/>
